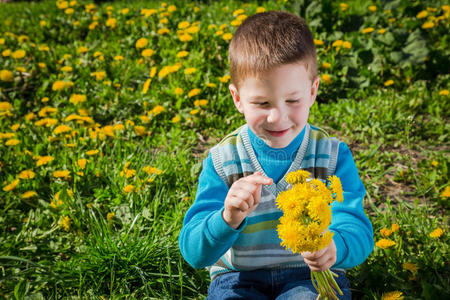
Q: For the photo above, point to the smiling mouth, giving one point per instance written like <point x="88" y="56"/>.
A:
<point x="277" y="133"/>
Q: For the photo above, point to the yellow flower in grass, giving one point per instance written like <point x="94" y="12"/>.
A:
<point x="99" y="75"/>
<point x="422" y="14"/>
<point x="368" y="30"/>
<point x="147" y="52"/>
<point x="189" y="71"/>
<point x="146" y="86"/>
<point x="385" y="232"/>
<point x="395" y="295"/>
<point x="61" y="174"/>
<point x="427" y="25"/>
<point x="162" y="31"/>
<point x="211" y="85"/>
<point x="444" y="93"/>
<point x="326" y="78"/>
<point x="176" y="119"/>
<point x="82" y="49"/>
<point x="157" y="110"/>
<point x="111" y="23"/>
<point x="82" y="163"/>
<point x="343" y="6"/>
<point x="6" y="75"/>
<point x="446" y="192"/>
<point x="129" y="188"/>
<point x="385" y="243"/>
<point x="381" y="31"/>
<point x="389" y="82"/>
<point x="373" y="8"/>
<point x="182" y="54"/>
<point x="28" y="194"/>
<point x="4" y="106"/>
<point x="11" y="186"/>
<point x="6" y="52"/>
<point x="437" y="233"/>
<point x="43" y="160"/>
<point x="260" y="9"/>
<point x="395" y="227"/>
<point x="62" y="129"/>
<point x="61" y="85"/>
<point x="326" y="65"/>
<point x="201" y="102"/>
<point x="193" y="92"/>
<point x="227" y="36"/>
<point x="410" y="267"/>
<point x="110" y="216"/>
<point x="12" y="142"/>
<point x="183" y="25"/>
<point x="178" y="91"/>
<point x="140" y="130"/>
<point x="225" y="78"/>
<point x="64" y="222"/>
<point x="27" y="174"/>
<point x="77" y="98"/>
<point x="18" y="54"/>
<point x="92" y="152"/>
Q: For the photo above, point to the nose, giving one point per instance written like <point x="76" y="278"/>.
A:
<point x="275" y="115"/>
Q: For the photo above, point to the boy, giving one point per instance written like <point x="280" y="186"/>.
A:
<point x="231" y="227"/>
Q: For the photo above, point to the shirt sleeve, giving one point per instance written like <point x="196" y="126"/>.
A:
<point x="353" y="232"/>
<point x="205" y="236"/>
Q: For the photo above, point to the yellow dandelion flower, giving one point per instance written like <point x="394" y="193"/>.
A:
<point x="336" y="187"/>
<point x="28" y="194"/>
<point x="395" y="227"/>
<point x="92" y="152"/>
<point x="140" y="130"/>
<point x="227" y="36"/>
<point x="389" y="82"/>
<point x="141" y="43"/>
<point x="62" y="129"/>
<point x="446" y="192"/>
<point x="326" y="65"/>
<point x="27" y="174"/>
<point x="395" y="295"/>
<point x="110" y="216"/>
<point x="183" y="25"/>
<point x="64" y="222"/>
<point x="427" y="25"/>
<point x="176" y="119"/>
<point x="129" y="188"/>
<point x="410" y="267"/>
<point x="436" y="233"/>
<point x="385" y="232"/>
<point x="77" y="98"/>
<point x="260" y="9"/>
<point x="18" y="54"/>
<point x="326" y="78"/>
<point x="422" y="14"/>
<point x="178" y="91"/>
<point x="368" y="30"/>
<point x="43" y="160"/>
<point x="6" y="52"/>
<point x="82" y="163"/>
<point x="444" y="93"/>
<point x="12" y="142"/>
<point x="297" y="177"/>
<point x="6" y="75"/>
<point x="211" y="85"/>
<point x="381" y="31"/>
<point x="373" y="8"/>
<point x="238" y="12"/>
<point x="225" y="78"/>
<point x="146" y="86"/>
<point x="157" y="110"/>
<point x="343" y="6"/>
<point x="162" y="31"/>
<point x="189" y="71"/>
<point x="61" y="174"/>
<point x="193" y="92"/>
<point x="147" y="52"/>
<point x="11" y="186"/>
<point x="385" y="243"/>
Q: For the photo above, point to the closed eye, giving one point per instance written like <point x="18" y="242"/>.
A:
<point x="293" y="101"/>
<point x="261" y="103"/>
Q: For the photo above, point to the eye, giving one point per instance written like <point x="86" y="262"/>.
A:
<point x="261" y="103"/>
<point x="293" y="101"/>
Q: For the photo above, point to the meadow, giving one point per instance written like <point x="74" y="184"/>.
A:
<point x="108" y="109"/>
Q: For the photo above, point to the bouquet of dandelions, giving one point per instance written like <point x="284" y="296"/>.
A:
<point x="306" y="207"/>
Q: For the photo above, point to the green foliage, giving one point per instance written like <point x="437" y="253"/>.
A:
<point x="109" y="226"/>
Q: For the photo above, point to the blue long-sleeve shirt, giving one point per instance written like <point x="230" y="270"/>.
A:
<point x="205" y="236"/>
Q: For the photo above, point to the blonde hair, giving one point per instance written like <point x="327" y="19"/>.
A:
<point x="268" y="40"/>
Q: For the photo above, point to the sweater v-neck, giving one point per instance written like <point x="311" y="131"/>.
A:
<point x="276" y="162"/>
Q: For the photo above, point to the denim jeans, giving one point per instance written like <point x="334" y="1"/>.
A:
<point x="280" y="284"/>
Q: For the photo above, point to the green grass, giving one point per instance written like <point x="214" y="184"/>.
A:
<point x="398" y="135"/>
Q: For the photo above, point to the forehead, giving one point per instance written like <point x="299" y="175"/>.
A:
<point x="285" y="79"/>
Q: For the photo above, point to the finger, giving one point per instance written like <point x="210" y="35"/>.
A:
<point x="258" y="178"/>
<point x="239" y="204"/>
<point x="257" y="195"/>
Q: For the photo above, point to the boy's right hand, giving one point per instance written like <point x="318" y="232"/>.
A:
<point x="243" y="197"/>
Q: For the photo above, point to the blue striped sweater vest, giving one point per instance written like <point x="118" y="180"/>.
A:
<point x="258" y="245"/>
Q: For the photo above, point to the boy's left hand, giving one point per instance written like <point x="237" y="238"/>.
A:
<point x="321" y="260"/>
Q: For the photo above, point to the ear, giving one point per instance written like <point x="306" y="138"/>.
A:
<point x="314" y="89"/>
<point x="236" y="99"/>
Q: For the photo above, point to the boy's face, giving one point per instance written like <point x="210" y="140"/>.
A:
<point x="276" y="105"/>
